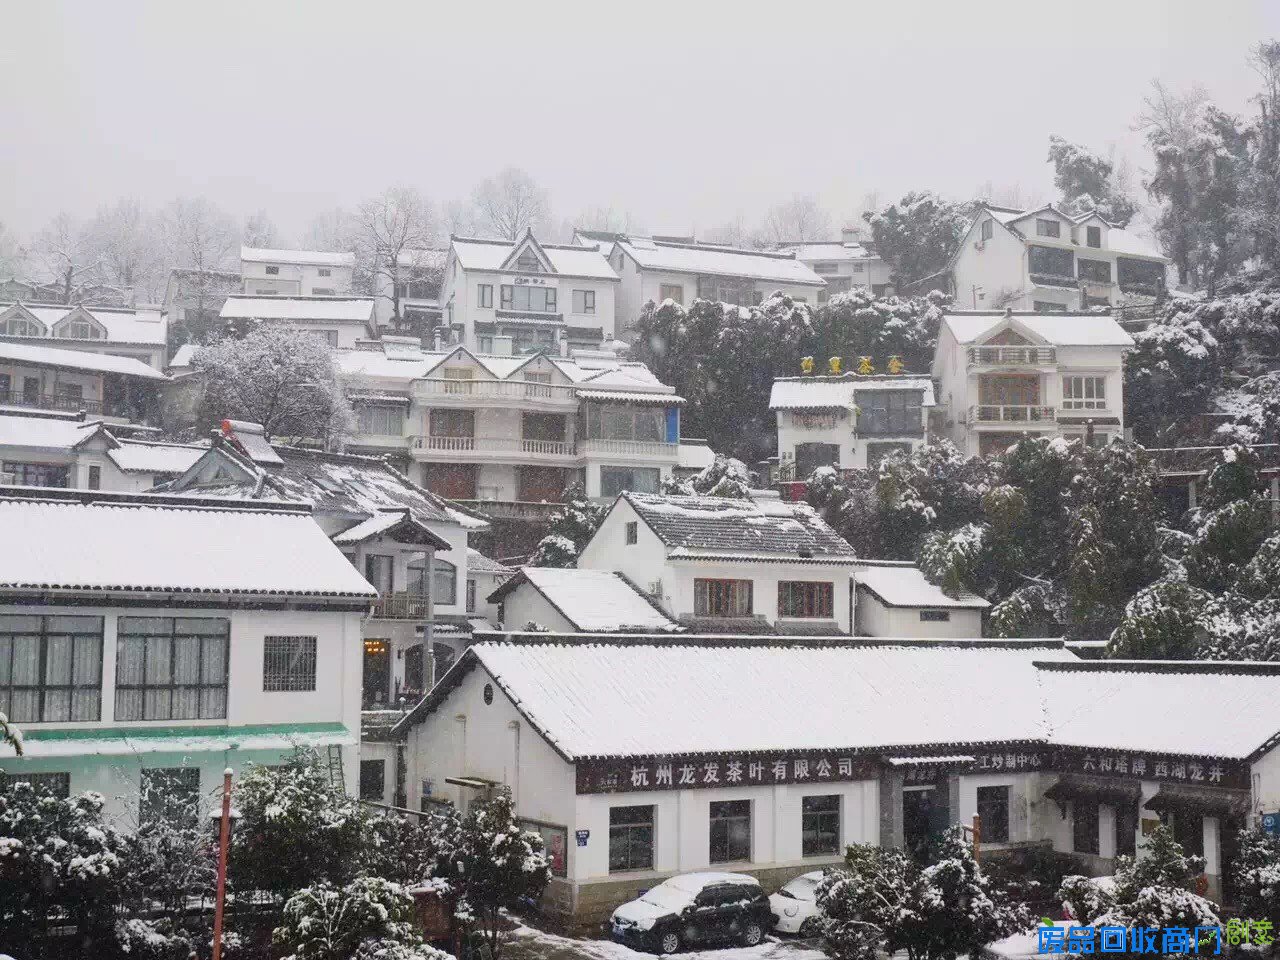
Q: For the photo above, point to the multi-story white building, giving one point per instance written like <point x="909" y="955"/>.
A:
<point x="137" y="332"/>
<point x="658" y="270"/>
<point x="514" y="429"/>
<point x="342" y="321"/>
<point x="847" y="422"/>
<point x="544" y="297"/>
<point x="147" y="637"/>
<point x="119" y="389"/>
<point x="1044" y="260"/>
<point x="1003" y="375"/>
<point x="844" y="264"/>
<point x="295" y="273"/>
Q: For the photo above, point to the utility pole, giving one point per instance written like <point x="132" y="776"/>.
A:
<point x="220" y="902"/>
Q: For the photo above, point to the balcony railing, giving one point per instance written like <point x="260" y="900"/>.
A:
<point x="1010" y="413"/>
<point x="402" y="606"/>
<point x="1053" y="280"/>
<point x="518" y="390"/>
<point x="635" y="448"/>
<point x="512" y="509"/>
<point x="50" y="401"/>
<point x="536" y="448"/>
<point x="1012" y="356"/>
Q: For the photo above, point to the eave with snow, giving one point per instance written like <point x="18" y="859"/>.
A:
<point x="341" y="320"/>
<point x="676" y="726"/>
<point x="137" y="332"/>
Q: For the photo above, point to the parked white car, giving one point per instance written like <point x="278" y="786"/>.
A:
<point x="795" y="906"/>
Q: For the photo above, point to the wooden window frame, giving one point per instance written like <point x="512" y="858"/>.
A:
<point x="723" y="598"/>
<point x="815" y="599"/>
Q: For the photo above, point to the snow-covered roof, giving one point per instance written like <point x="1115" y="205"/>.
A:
<point x="827" y="251"/>
<point x="663" y="698"/>
<point x="477" y="562"/>
<point x="395" y="520"/>
<point x="1144" y="705"/>
<point x="593" y="601"/>
<point x="133" y="456"/>
<point x="45" y="433"/>
<point x="136" y="542"/>
<point x="299" y="309"/>
<point x="128" y="742"/>
<point x="1129" y="244"/>
<point x="143" y="324"/>
<point x="832" y="393"/>
<point x="1057" y="329"/>
<point x="618" y="396"/>
<point x="184" y="356"/>
<point x="310" y="258"/>
<point x="1119" y="240"/>
<point x="572" y="260"/>
<point x="720" y="261"/>
<point x="905" y="585"/>
<point x="694" y="454"/>
<point x="21" y="353"/>
<point x="749" y="528"/>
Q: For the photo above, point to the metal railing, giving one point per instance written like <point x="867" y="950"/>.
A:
<point x="496" y="390"/>
<point x="1012" y="356"/>
<point x="1010" y="413"/>
<point x="537" y="448"/>
<point x="402" y="606"/>
<point x="52" y="401"/>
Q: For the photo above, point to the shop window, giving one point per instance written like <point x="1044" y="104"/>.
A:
<point x="1084" y="826"/>
<point x="373" y="776"/>
<point x="170" y="795"/>
<point x="820" y="825"/>
<point x="171" y="668"/>
<point x="805" y="599"/>
<point x="993" y="813"/>
<point x="630" y="838"/>
<point x="722" y="598"/>
<point x="288" y="663"/>
<point x="730" y="831"/>
<point x="50" y="668"/>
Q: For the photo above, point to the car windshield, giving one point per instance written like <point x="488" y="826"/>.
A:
<point x="668" y="897"/>
<point x="800" y="888"/>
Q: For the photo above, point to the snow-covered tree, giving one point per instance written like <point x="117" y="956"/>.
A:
<point x="1170" y="374"/>
<point x="296" y="828"/>
<point x="409" y="850"/>
<point x="510" y="202"/>
<point x="571" y="528"/>
<point x="1255" y="876"/>
<point x="58" y="857"/>
<point x="200" y="239"/>
<point x="495" y="866"/>
<point x="917" y="235"/>
<point x="856" y="323"/>
<point x="882" y="902"/>
<point x="799" y="218"/>
<point x="390" y="232"/>
<point x="725" y="477"/>
<point x="369" y="917"/>
<point x="1086" y="183"/>
<point x="279" y="376"/>
<point x="260" y="231"/>
<point x="10" y="735"/>
<point x="1261" y="213"/>
<point x="1161" y="622"/>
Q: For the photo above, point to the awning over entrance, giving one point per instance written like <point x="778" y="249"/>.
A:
<point x="1074" y="786"/>
<point x="1205" y="801"/>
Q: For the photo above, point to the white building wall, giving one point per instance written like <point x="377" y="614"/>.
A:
<point x="1024" y="794"/>
<point x="876" y="619"/>
<point x="999" y="268"/>
<point x="765" y="578"/>
<point x="294" y="279"/>
<point x="644" y="562"/>
<point x="524" y="604"/>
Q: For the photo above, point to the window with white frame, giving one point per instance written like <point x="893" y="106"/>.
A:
<point x="19" y="326"/>
<point x="288" y="664"/>
<point x="1084" y="393"/>
<point x="385" y="421"/>
<point x="484" y="295"/>
<point x="172" y="668"/>
<point x="584" y="301"/>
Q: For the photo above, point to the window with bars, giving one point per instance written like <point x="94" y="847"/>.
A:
<point x="172" y="668"/>
<point x="819" y="825"/>
<point x="722" y="598"/>
<point x="170" y="795"/>
<point x="288" y="663"/>
<point x="1084" y="393"/>
<point x="55" y="784"/>
<point x="50" y="668"/>
<point x="630" y="838"/>
<point x="799" y="598"/>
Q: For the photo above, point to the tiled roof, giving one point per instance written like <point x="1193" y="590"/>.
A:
<point x="591" y="600"/>
<point x="315" y="309"/>
<point x="20" y="353"/>
<point x="321" y="258"/>
<point x="748" y="528"/>
<point x="905" y="585"/>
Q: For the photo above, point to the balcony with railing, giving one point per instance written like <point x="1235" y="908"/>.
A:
<point x="517" y="392"/>
<point x="985" y="413"/>
<point x="402" y="606"/>
<point x="481" y="448"/>
<point x="65" y="402"/>
<point x="1012" y="356"/>
<point x="646" y="449"/>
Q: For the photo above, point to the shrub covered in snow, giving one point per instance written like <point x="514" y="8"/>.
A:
<point x="409" y="850"/>
<point x="725" y="477"/>
<point x="369" y="914"/>
<point x="1255" y="876"/>
<point x="571" y="528"/>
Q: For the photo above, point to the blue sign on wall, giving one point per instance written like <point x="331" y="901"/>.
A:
<point x="1271" y="823"/>
<point x="582" y="836"/>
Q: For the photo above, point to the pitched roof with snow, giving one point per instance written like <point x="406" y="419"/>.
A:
<point x="905" y="585"/>
<point x="133" y="456"/>
<point x="840" y="393"/>
<point x="1057" y="329"/>
<point x="81" y="541"/>
<point x="655" y="698"/>
<point x="123" y="324"/>
<point x="46" y="433"/>
<point x="22" y="353"/>
<point x="593" y="601"/>
<point x="720" y="261"/>
<point x="310" y="258"/>
<point x="760" y="529"/>
<point x="827" y="250"/>
<point x="571" y="260"/>
<point x="477" y="562"/>
<point x="300" y="309"/>
<point x="1119" y="240"/>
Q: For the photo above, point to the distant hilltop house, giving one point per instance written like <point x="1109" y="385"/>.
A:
<point x="295" y="273"/>
<point x="1003" y="375"/>
<point x="845" y="264"/>
<point x="1045" y="260"/>
<point x="341" y="321"/>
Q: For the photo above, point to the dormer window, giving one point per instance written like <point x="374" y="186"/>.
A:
<point x="1048" y="228"/>
<point x="1093" y="236"/>
<point x="19" y="326"/>
<point x="79" y="330"/>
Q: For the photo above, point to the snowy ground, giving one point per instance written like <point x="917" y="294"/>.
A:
<point x="529" y="944"/>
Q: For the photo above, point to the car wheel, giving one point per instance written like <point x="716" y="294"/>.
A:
<point x="810" y="928"/>
<point x="669" y="942"/>
<point x="752" y="933"/>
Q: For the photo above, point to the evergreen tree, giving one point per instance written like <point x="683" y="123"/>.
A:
<point x="1161" y="622"/>
<point x="725" y="477"/>
<point x="1255" y="876"/>
<point x="571" y="529"/>
<point x="1085" y="182"/>
<point x="917" y="235"/>
<point x="369" y="917"/>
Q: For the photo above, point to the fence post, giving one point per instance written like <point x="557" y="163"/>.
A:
<point x="220" y="902"/>
<point x="977" y="837"/>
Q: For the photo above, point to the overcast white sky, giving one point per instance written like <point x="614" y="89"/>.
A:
<point x="687" y="112"/>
